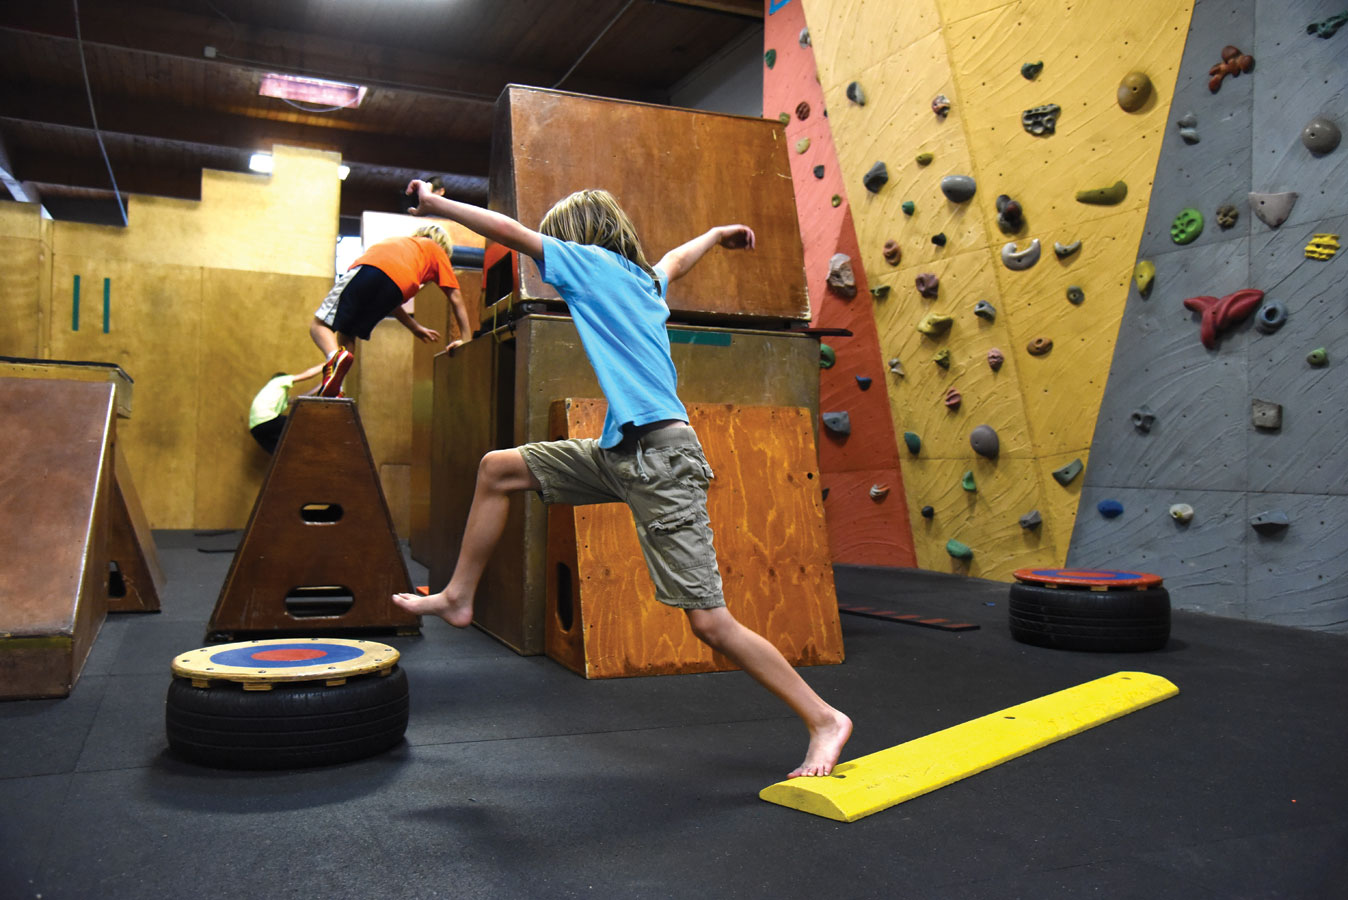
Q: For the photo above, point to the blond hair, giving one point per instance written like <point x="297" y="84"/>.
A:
<point x="594" y="217"/>
<point x="437" y="234"/>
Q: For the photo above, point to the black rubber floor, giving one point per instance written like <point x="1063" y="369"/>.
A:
<point x="520" y="779"/>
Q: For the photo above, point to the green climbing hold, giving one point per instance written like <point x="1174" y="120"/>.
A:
<point x="958" y="550"/>
<point x="1318" y="357"/>
<point x="909" y="207"/>
<point x="912" y="441"/>
<point x="1188" y="225"/>
<point x="770" y="58"/>
<point x="784" y="118"/>
<point x="836" y="200"/>
<point x="826" y="356"/>
<point x="942" y="358"/>
<point x="967" y="482"/>
<point x="1107" y="196"/>
<point x="924" y="159"/>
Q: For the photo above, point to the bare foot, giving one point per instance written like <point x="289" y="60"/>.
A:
<point x="457" y="612"/>
<point x="825" y="745"/>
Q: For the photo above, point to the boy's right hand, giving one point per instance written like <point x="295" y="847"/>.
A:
<point x="736" y="237"/>
<point x="414" y="189"/>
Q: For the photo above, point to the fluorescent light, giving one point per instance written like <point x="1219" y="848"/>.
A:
<point x="320" y="91"/>
<point x="343" y="171"/>
<point x="260" y="162"/>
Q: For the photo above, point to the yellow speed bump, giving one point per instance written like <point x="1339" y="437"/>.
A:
<point x="880" y="780"/>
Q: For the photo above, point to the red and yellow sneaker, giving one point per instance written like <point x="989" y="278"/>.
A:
<point x="334" y="370"/>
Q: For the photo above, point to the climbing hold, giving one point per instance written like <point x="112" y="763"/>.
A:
<point x="1068" y="473"/>
<point x="1040" y="120"/>
<point x="939" y="239"/>
<point x="838" y="422"/>
<point x="967" y="482"/>
<point x="802" y="111"/>
<point x="836" y="200"/>
<point x="896" y="367"/>
<point x="908" y="207"/>
<point x="1182" y="513"/>
<point x="802" y="145"/>
<point x="1075" y="295"/>
<point x="1134" y="91"/>
<point x="892" y="252"/>
<point x="1039" y="346"/>
<point x="1110" y="509"/>
<point x="1233" y="63"/>
<point x="804" y="38"/>
<point x="928" y="285"/>
<point x="1031" y="70"/>
<point x="1188" y="128"/>
<point x="1144" y="275"/>
<point x="985" y="310"/>
<point x="770" y="58"/>
<point x="784" y="118"/>
<point x="1221" y="315"/>
<point x="876" y="177"/>
<point x="863" y="382"/>
<point x="924" y="159"/>
<point x="1031" y="519"/>
<point x="1066" y="250"/>
<point x="1272" y="316"/>
<point x="1107" y="196"/>
<point x="818" y="171"/>
<point x="953" y="398"/>
<point x="995" y="359"/>
<point x="1322" y="246"/>
<point x="1328" y="27"/>
<point x="958" y="188"/>
<point x="1266" y="414"/>
<point x="881" y="292"/>
<point x="823" y="494"/>
<point x="958" y="550"/>
<point x="935" y="323"/>
<point x="984" y="441"/>
<point x="1273" y="209"/>
<point x="1227" y="215"/>
<point x="1188" y="225"/>
<point x="942" y="358"/>
<point x="912" y="441"/>
<point x="878" y="492"/>
<point x="1143" y="418"/>
<point x="1321" y="136"/>
<point x="840" y="276"/>
<point x="928" y="512"/>
<point x="1318" y="357"/>
<point x="1020" y="260"/>
<point x="856" y="94"/>
<point x="1270" y="521"/>
<point x="1010" y="216"/>
<point x="826" y="356"/>
<point x="940" y="104"/>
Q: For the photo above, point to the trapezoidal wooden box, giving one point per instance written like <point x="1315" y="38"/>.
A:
<point x="767" y="515"/>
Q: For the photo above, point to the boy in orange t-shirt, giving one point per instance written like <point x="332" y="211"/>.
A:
<point x="378" y="283"/>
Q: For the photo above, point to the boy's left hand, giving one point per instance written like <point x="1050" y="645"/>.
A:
<point x="427" y="335"/>
<point x="413" y="193"/>
<point x="737" y="237"/>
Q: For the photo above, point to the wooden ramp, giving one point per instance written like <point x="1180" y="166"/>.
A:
<point x="56" y="439"/>
<point x="319" y="554"/>
<point x="767" y="514"/>
<point x="135" y="576"/>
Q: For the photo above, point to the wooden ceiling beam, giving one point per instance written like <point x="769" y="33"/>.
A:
<point x="90" y="172"/>
<point x="750" y="9"/>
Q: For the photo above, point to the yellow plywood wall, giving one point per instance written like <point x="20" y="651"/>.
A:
<point x="1042" y="407"/>
<point x="25" y="279"/>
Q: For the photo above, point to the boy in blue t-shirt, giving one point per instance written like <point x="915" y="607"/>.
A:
<point x="647" y="456"/>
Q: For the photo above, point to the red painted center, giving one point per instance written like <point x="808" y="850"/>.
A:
<point x="292" y="654"/>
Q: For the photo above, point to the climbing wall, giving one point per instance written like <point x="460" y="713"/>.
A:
<point x="1179" y="424"/>
<point x="864" y="495"/>
<point x="927" y="103"/>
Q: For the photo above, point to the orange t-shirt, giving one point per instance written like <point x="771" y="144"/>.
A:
<point x="410" y="262"/>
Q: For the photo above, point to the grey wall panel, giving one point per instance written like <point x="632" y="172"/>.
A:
<point x="1203" y="563"/>
<point x="1300" y="576"/>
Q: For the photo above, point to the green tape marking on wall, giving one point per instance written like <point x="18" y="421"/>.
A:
<point x="706" y="338"/>
<point x="75" y="307"/>
<point x="107" y="303"/>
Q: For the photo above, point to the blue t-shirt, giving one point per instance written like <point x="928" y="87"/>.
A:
<point x="620" y="314"/>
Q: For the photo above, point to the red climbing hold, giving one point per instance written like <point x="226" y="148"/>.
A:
<point x="1221" y="315"/>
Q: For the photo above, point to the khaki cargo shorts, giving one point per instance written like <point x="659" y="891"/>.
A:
<point x="663" y="478"/>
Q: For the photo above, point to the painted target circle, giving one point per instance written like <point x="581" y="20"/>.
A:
<point x="265" y="662"/>
<point x="1096" y="578"/>
<point x="284" y="654"/>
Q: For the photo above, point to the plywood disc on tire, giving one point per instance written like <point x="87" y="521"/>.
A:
<point x="260" y="664"/>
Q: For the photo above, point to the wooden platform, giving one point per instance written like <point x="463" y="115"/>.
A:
<point x="767" y="514"/>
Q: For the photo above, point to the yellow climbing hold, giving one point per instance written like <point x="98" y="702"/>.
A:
<point x="1144" y="273"/>
<point x="1322" y="246"/>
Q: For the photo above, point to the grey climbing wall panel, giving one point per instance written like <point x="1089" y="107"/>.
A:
<point x="1202" y="448"/>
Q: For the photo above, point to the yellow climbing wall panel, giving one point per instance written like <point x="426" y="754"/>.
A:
<point x="1042" y="407"/>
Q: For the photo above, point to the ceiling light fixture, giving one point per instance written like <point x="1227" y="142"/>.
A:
<point x="338" y="94"/>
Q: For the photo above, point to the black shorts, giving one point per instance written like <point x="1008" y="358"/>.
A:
<point x="359" y="301"/>
<point x="268" y="433"/>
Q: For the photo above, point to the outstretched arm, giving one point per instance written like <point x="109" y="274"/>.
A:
<point x="678" y="261"/>
<point x="419" y="331"/>
<point x="493" y="225"/>
<point x="307" y="373"/>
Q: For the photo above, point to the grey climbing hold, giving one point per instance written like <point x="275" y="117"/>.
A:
<point x="967" y="482"/>
<point x="984" y="441"/>
<point x="958" y="188"/>
<point x="863" y="382"/>
<point x="958" y="550"/>
<point x="985" y="310"/>
<point x="1075" y="295"/>
<point x="856" y="94"/>
<point x="876" y="177"/>
<point x="818" y="171"/>
<point x="840" y="276"/>
<point x="879" y="491"/>
<point x="1031" y="519"/>
<point x="1273" y="209"/>
<point x="942" y="358"/>
<point x="838" y="422"/>
<point x="826" y="356"/>
<point x="1270" y="521"/>
<point x="1110" y="509"/>
<point x="1143" y="419"/>
<point x="928" y="284"/>
<point x="928" y="512"/>
<point x="1271" y="316"/>
<point x="1329" y="27"/>
<point x="1040" y="120"/>
<point x="1188" y="128"/>
<point x="995" y="359"/>
<point x="1182" y="513"/>
<point x="1321" y="136"/>
<point x="1266" y="414"/>
<point x="802" y="145"/>
<point x="940" y="104"/>
<point x="1031" y="70"/>
<point x="896" y="367"/>
<point x="1010" y="216"/>
<point x="939" y="239"/>
<point x="912" y="442"/>
<point x="881" y="292"/>
<point x="1020" y="260"/>
<point x="1318" y="357"/>
<point x="1106" y="196"/>
<point x="1065" y="250"/>
<point x="1068" y="473"/>
<point x="804" y="38"/>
